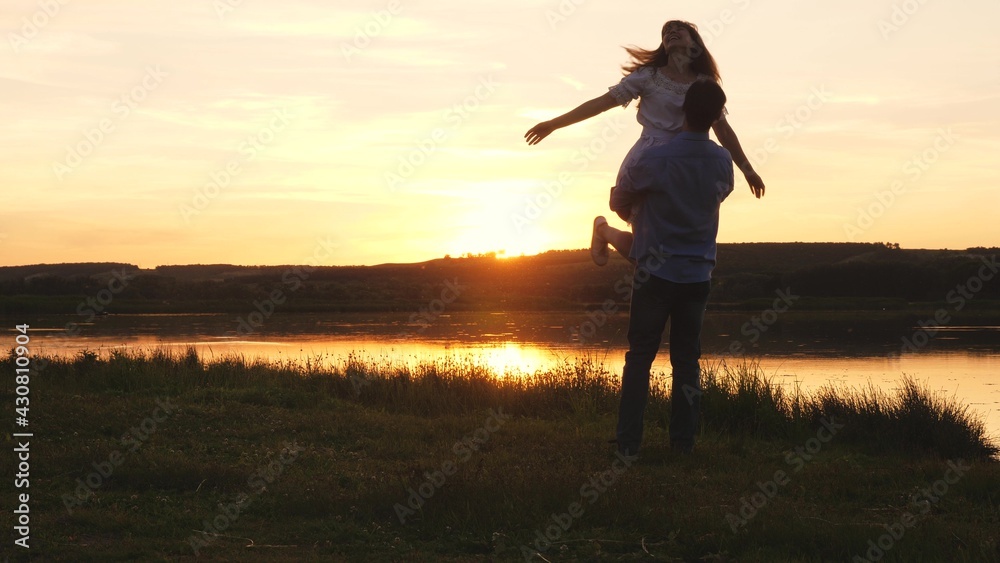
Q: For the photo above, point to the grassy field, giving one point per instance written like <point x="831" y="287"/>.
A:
<point x="159" y="458"/>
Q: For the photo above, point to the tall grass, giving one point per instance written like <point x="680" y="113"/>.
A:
<point x="738" y="399"/>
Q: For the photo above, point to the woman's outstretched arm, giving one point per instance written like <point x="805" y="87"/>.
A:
<point x="586" y="110"/>
<point x="727" y="138"/>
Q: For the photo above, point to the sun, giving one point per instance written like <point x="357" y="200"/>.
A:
<point x="487" y="220"/>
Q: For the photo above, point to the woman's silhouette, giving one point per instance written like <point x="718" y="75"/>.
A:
<point x="659" y="78"/>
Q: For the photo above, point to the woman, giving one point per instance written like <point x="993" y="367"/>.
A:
<point x="659" y="78"/>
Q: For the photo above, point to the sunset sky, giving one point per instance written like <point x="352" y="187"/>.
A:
<point x="363" y="132"/>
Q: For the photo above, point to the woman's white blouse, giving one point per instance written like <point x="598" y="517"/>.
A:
<point x="660" y="100"/>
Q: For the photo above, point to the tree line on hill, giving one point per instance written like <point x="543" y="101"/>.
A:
<point x="850" y="273"/>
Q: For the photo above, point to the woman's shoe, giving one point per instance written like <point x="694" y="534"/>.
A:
<point x="598" y="246"/>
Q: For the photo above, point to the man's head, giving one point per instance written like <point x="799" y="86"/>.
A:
<point x="703" y="105"/>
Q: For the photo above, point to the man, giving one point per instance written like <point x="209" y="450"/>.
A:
<point x="679" y="187"/>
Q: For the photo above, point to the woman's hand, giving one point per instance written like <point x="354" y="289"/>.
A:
<point x="727" y="138"/>
<point x="756" y="184"/>
<point x="539" y="132"/>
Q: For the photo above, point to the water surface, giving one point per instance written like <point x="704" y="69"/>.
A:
<point x="808" y="350"/>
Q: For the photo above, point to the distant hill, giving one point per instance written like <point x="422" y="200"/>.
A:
<point x="838" y="275"/>
<point x="63" y="270"/>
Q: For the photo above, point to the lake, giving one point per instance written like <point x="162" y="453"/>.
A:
<point x="847" y="349"/>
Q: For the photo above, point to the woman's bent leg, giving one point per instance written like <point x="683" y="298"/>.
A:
<point x="620" y="240"/>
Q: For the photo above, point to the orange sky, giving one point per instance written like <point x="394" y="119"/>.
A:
<point x="248" y="132"/>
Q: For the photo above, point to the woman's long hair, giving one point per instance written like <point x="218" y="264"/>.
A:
<point x="701" y="60"/>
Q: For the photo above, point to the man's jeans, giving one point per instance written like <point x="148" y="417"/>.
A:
<point x="653" y="302"/>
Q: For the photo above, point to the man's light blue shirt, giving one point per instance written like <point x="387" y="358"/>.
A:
<point x="679" y="187"/>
